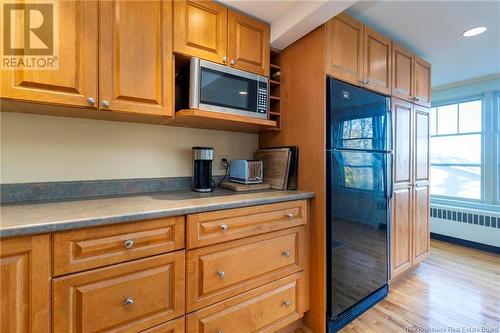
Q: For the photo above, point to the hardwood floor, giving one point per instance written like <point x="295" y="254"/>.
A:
<point x="454" y="290"/>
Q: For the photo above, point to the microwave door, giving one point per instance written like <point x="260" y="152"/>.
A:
<point x="222" y="89"/>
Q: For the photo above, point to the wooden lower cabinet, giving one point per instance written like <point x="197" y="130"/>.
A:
<point x="127" y="297"/>
<point x="401" y="226"/>
<point x="230" y="224"/>
<point x="421" y="232"/>
<point x="264" y="309"/>
<point x="83" y="249"/>
<point x="137" y="276"/>
<point x="173" y="326"/>
<point x="220" y="271"/>
<point x="25" y="284"/>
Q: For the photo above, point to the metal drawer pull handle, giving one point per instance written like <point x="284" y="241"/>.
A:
<point x="128" y="243"/>
<point x="290" y="215"/>
<point x="287" y="304"/>
<point x="220" y="274"/>
<point x="285" y="253"/>
<point x="219" y="331"/>
<point x="129" y="301"/>
<point x="223" y="227"/>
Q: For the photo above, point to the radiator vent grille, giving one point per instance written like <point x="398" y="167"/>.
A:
<point x="461" y="216"/>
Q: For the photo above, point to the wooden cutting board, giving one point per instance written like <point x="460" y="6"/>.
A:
<point x="276" y="163"/>
<point x="242" y="187"/>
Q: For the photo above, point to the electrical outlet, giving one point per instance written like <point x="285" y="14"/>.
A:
<point x="222" y="163"/>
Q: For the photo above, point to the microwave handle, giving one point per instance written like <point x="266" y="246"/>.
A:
<point x="194" y="83"/>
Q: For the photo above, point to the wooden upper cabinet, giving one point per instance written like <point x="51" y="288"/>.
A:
<point x="344" y="41"/>
<point x="74" y="81"/>
<point x="135" y="62"/>
<point x="421" y="145"/>
<point x="402" y="73"/>
<point x="377" y="61"/>
<point x="422" y="85"/>
<point x="25" y="284"/>
<point x="403" y="141"/>
<point x="248" y="43"/>
<point x="200" y="29"/>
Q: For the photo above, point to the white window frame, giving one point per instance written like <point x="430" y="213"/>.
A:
<point x="489" y="155"/>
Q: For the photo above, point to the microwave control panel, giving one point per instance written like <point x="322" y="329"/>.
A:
<point x="262" y="98"/>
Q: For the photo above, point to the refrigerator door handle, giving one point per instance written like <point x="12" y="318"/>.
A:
<point x="389" y="185"/>
<point x="389" y="132"/>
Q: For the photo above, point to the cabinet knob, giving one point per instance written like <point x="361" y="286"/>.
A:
<point x="416" y="99"/>
<point x="290" y="216"/>
<point x="367" y="82"/>
<point x="286" y="304"/>
<point x="220" y="274"/>
<point x="128" y="243"/>
<point x="224" y="60"/>
<point x="219" y="331"/>
<point x="233" y="62"/>
<point x="105" y="103"/>
<point x="285" y="253"/>
<point x="223" y="227"/>
<point x="91" y="100"/>
<point x="129" y="301"/>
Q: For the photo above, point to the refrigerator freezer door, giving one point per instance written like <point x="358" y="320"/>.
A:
<point x="358" y="192"/>
<point x="357" y="118"/>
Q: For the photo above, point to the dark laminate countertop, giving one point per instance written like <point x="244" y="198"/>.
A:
<point x="28" y="219"/>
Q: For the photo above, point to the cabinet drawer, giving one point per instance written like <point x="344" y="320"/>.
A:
<point x="173" y="326"/>
<point x="221" y="226"/>
<point x="127" y="297"/>
<point x="264" y="309"/>
<point x="220" y="271"/>
<point x="83" y="249"/>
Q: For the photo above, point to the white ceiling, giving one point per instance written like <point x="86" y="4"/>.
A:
<point x="434" y="29"/>
<point x="290" y="20"/>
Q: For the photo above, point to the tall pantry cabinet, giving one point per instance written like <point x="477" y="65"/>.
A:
<point x="410" y="204"/>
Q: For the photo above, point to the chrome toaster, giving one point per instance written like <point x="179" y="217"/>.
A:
<point x="246" y="171"/>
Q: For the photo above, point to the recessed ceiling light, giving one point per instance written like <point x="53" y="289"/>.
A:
<point x="474" y="31"/>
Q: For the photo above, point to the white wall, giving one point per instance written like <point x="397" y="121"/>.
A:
<point x="37" y="148"/>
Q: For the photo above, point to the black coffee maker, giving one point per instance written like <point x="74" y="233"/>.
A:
<point x="202" y="169"/>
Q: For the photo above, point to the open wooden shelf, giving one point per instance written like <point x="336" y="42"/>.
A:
<point x="274" y="66"/>
<point x="219" y="121"/>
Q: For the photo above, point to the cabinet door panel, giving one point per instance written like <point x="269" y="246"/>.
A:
<point x="422" y="86"/>
<point x="200" y="29"/>
<point x="248" y="43"/>
<point x="75" y="78"/>
<point x="344" y="42"/>
<point x="135" y="66"/>
<point x="25" y="284"/>
<point x="402" y="122"/>
<point x="421" y="147"/>
<point x="401" y="226"/>
<point x="402" y="73"/>
<point x="421" y="232"/>
<point x="377" y="61"/>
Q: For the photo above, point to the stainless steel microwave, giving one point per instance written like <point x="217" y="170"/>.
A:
<point x="219" y="88"/>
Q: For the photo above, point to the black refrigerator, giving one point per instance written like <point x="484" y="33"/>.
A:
<point x="359" y="192"/>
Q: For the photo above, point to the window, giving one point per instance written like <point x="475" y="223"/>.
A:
<point x="456" y="150"/>
<point x="496" y="106"/>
